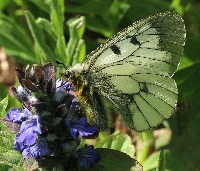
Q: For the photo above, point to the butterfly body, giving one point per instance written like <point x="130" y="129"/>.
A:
<point x="133" y="70"/>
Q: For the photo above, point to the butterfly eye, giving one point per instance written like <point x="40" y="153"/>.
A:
<point x="67" y="74"/>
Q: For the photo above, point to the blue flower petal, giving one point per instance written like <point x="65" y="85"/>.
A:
<point x="28" y="131"/>
<point x="18" y="146"/>
<point x="37" y="151"/>
<point x="88" y="157"/>
<point x="15" y="115"/>
<point x="79" y="126"/>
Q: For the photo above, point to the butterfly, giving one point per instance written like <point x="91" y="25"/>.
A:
<point x="132" y="72"/>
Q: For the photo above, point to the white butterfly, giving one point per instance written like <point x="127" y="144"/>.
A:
<point x="133" y="70"/>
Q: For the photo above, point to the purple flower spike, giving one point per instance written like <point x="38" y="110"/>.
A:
<point x="15" y="115"/>
<point x="37" y="151"/>
<point x="22" y="94"/>
<point x="79" y="126"/>
<point x="28" y="131"/>
<point x="88" y="157"/>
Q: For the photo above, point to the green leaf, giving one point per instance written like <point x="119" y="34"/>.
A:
<point x="4" y="167"/>
<point x="117" y="12"/>
<point x="80" y="52"/>
<point x="163" y="139"/>
<point x="55" y="27"/>
<point x="177" y="6"/>
<point x="97" y="25"/>
<point x="7" y="139"/>
<point x="61" y="49"/>
<point x="4" y="3"/>
<point x="103" y="20"/>
<point x="39" y="39"/>
<point x="151" y="162"/>
<point x="146" y="139"/>
<point x="113" y="160"/>
<point x="155" y="161"/>
<point x="76" y="29"/>
<point x="15" y="41"/>
<point x="188" y="74"/>
<point x="3" y="105"/>
<point x="161" y="163"/>
<point x="90" y="7"/>
<point x="44" y="4"/>
<point x="8" y="155"/>
<point x="118" y="141"/>
<point x="57" y="16"/>
<point x="47" y="26"/>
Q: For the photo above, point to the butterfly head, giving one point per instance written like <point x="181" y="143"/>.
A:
<point x="75" y="75"/>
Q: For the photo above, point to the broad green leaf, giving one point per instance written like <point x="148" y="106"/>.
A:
<point x="11" y="157"/>
<point x="7" y="154"/>
<point x="7" y="139"/>
<point x="4" y="167"/>
<point x="113" y="160"/>
<point x="118" y="141"/>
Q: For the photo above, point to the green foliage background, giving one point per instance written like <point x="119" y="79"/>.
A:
<point x="67" y="38"/>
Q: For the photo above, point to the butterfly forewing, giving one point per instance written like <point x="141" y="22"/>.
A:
<point x="134" y="69"/>
<point x="157" y="40"/>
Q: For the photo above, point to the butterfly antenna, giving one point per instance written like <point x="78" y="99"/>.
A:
<point x="60" y="63"/>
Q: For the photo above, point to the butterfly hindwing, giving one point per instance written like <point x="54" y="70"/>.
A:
<point x="141" y="98"/>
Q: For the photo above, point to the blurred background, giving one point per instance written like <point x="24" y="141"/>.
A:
<point x="179" y="136"/>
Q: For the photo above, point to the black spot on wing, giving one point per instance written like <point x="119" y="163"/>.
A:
<point x="134" y="41"/>
<point x="115" y="49"/>
<point x="143" y="87"/>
